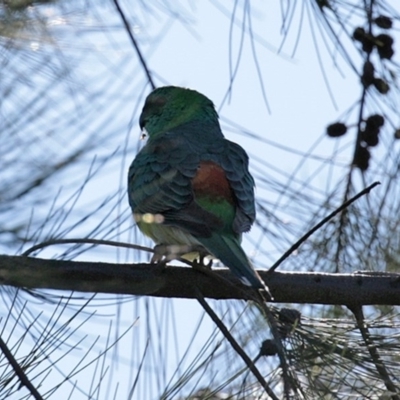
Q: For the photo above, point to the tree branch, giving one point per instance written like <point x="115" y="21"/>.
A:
<point x="236" y="346"/>
<point x="180" y="282"/>
<point x="374" y="353"/>
<point x="19" y="371"/>
<point x="135" y="44"/>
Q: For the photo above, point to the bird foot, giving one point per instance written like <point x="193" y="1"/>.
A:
<point x="164" y="253"/>
<point x="159" y="256"/>
<point x="202" y="261"/>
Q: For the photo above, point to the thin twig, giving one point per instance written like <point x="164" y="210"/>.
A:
<point x="373" y="352"/>
<point x="235" y="345"/>
<point x="19" y="371"/>
<point x="320" y="224"/>
<point x="341" y="224"/>
<point x="357" y="142"/>
<point x="288" y="382"/>
<point x="85" y="241"/>
<point x="135" y="44"/>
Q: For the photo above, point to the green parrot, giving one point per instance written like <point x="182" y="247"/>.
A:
<point x="190" y="188"/>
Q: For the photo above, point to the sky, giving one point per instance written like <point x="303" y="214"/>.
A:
<point x="279" y="95"/>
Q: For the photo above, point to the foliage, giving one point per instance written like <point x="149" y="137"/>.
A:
<point x="73" y="78"/>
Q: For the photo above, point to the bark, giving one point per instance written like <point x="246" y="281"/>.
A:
<point x="360" y="288"/>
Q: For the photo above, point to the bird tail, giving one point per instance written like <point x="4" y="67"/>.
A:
<point x="228" y="250"/>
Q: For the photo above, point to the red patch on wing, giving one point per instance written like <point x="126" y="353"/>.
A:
<point x="210" y="181"/>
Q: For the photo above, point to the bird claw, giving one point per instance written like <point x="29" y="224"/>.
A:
<point x="200" y="262"/>
<point x="159" y="253"/>
<point x="160" y="256"/>
<point x="164" y="253"/>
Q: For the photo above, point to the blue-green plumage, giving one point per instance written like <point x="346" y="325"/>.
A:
<point x="193" y="180"/>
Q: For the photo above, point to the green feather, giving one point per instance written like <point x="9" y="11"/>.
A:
<point x="228" y="250"/>
<point x="169" y="107"/>
<point x="184" y="130"/>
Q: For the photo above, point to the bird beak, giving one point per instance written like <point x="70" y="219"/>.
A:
<point x="144" y="134"/>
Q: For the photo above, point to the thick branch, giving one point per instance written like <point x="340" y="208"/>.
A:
<point x="180" y="282"/>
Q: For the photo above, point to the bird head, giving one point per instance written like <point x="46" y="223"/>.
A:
<point x="170" y="106"/>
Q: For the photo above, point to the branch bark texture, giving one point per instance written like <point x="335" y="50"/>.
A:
<point x="180" y="282"/>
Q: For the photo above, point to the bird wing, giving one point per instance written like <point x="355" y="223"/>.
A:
<point x="201" y="186"/>
<point x="159" y="182"/>
<point x="162" y="174"/>
<point x="235" y="162"/>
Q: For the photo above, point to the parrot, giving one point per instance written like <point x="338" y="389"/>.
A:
<point x="189" y="188"/>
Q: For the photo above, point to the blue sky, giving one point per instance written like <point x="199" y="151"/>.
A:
<point x="104" y="92"/>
